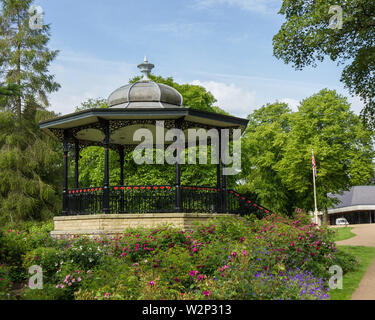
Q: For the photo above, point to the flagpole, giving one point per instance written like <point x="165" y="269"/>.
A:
<point x="316" y="207"/>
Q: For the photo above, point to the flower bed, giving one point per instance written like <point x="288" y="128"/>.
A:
<point x="229" y="258"/>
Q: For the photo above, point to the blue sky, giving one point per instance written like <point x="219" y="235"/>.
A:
<point x="223" y="45"/>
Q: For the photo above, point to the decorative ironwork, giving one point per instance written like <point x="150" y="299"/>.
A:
<point x="160" y="198"/>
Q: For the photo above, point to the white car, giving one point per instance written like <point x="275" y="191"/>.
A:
<point x="341" y="221"/>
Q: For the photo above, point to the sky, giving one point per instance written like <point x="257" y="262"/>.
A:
<point x="222" y="45"/>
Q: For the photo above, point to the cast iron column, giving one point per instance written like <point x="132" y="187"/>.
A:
<point x="178" y="173"/>
<point x="65" y="206"/>
<point x="76" y="172"/>
<point x="224" y="178"/>
<point x="218" y="177"/>
<point x="121" y="154"/>
<point x="106" y="208"/>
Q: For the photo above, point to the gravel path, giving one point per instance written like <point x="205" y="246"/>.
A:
<point x="365" y="236"/>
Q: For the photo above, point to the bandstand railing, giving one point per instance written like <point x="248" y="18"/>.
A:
<point x="159" y="199"/>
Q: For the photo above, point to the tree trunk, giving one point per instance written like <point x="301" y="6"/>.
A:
<point x="19" y="67"/>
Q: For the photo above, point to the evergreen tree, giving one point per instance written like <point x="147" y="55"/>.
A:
<point x="24" y="58"/>
<point x="30" y="169"/>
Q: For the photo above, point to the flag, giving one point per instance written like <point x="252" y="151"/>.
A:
<point x="313" y="163"/>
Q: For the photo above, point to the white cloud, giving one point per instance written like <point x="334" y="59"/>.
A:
<point x="292" y="103"/>
<point x="356" y="104"/>
<point x="263" y="6"/>
<point x="235" y="100"/>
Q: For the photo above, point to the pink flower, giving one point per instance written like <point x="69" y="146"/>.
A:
<point x="206" y="293"/>
<point x="193" y="273"/>
<point x="79" y="279"/>
<point x="234" y="254"/>
<point x="152" y="283"/>
<point x="244" y="252"/>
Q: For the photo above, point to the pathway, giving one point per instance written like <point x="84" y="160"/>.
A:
<point x="365" y="236"/>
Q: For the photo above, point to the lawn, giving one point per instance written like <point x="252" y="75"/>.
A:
<point x="343" y="233"/>
<point x="351" y="280"/>
<point x="365" y="256"/>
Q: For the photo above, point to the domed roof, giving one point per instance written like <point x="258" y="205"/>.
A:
<point x="145" y="93"/>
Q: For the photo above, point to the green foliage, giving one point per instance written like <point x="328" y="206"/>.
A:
<point x="6" y="283"/>
<point x="25" y="58"/>
<point x="91" y="166"/>
<point x="277" y="145"/>
<point x="48" y="258"/>
<point x="30" y="170"/>
<point x="305" y="38"/>
<point x="262" y="149"/>
<point x="92" y="103"/>
<point x="227" y="258"/>
<point x="343" y="149"/>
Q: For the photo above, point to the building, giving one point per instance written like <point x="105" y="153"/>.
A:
<point x="356" y="205"/>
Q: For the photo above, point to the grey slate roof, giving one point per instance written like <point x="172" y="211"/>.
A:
<point x="358" y="195"/>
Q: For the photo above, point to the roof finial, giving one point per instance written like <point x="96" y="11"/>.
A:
<point x="146" y="68"/>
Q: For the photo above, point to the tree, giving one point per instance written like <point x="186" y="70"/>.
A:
<point x="24" y="57"/>
<point x="262" y="149"/>
<point x="30" y="170"/>
<point x="343" y="150"/>
<point x="307" y="37"/>
<point x="194" y="96"/>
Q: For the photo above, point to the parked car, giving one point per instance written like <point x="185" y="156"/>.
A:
<point x="341" y="221"/>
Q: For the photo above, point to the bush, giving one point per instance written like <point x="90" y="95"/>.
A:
<point x="50" y="259"/>
<point x="6" y="283"/>
<point x="228" y="258"/>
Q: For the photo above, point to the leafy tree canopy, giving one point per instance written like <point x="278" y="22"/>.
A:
<point x="306" y="38"/>
<point x="277" y="151"/>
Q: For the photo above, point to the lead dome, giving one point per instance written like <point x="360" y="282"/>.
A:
<point x="145" y="93"/>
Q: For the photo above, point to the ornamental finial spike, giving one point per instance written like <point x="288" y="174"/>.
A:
<point x="146" y="68"/>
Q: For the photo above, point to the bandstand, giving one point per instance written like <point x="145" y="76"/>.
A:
<point x="111" y="208"/>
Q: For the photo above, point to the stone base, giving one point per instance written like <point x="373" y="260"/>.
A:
<point x="117" y="223"/>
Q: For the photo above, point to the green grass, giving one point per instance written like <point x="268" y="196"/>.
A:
<point x="343" y="233"/>
<point x="351" y="280"/>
